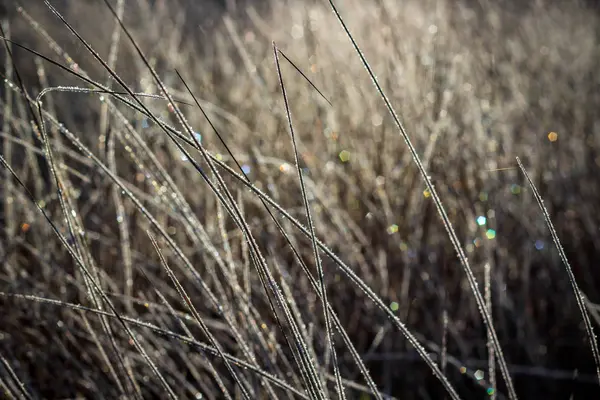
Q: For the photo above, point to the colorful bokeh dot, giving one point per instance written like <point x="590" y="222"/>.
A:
<point x="344" y="155"/>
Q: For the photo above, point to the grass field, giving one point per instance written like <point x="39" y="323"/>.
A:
<point x="358" y="199"/>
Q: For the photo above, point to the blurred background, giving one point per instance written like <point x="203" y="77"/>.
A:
<point x="475" y="83"/>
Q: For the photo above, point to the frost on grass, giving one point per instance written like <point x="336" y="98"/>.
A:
<point x="163" y="236"/>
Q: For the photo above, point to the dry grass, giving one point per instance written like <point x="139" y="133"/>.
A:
<point x="145" y="236"/>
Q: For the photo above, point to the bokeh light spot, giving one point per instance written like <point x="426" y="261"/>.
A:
<point x="344" y="155"/>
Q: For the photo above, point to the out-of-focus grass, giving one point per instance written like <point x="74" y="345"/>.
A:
<point x="475" y="85"/>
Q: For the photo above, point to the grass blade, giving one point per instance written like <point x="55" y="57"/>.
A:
<point x="561" y="252"/>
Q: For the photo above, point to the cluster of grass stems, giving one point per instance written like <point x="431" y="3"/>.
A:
<point x="313" y="199"/>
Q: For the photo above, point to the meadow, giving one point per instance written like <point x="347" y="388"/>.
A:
<point x="299" y="199"/>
